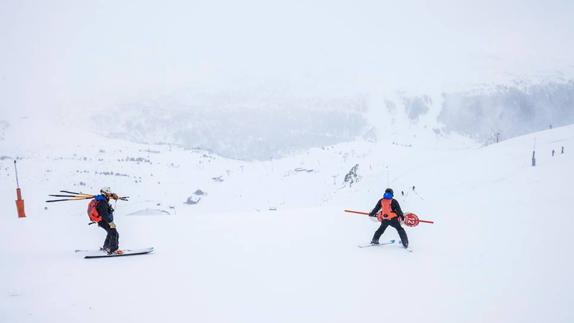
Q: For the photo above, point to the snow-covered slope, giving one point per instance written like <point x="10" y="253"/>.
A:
<point x="268" y="241"/>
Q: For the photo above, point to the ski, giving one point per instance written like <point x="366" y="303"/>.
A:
<point x="66" y="195"/>
<point x="376" y="245"/>
<point x="75" y="196"/>
<point x="69" y="199"/>
<point x="101" y="254"/>
<point x="101" y="250"/>
<point x="75" y="193"/>
<point x="390" y="242"/>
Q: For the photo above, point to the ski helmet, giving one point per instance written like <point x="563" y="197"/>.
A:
<point x="106" y="190"/>
<point x="388" y="194"/>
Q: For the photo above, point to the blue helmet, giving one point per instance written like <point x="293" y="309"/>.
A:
<point x="388" y="194"/>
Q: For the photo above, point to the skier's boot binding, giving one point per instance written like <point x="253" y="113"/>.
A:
<point x="374" y="242"/>
<point x="117" y="252"/>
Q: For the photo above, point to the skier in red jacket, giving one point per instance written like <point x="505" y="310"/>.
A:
<point x="388" y="212"/>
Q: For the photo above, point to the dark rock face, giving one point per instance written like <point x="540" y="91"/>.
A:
<point x="352" y="177"/>
<point x="192" y="200"/>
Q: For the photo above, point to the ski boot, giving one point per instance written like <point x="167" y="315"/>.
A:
<point x="117" y="252"/>
<point x="374" y="242"/>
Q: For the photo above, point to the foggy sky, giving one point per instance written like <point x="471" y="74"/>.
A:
<point x="61" y="55"/>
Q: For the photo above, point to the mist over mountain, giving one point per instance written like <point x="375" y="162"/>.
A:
<point x="394" y="66"/>
<point x="508" y="110"/>
<point x="243" y="127"/>
<point x="250" y="126"/>
<point x="66" y="55"/>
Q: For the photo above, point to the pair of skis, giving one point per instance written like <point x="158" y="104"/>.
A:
<point x="76" y="196"/>
<point x="390" y="242"/>
<point x="91" y="254"/>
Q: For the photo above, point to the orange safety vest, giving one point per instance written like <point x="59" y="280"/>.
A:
<point x="386" y="212"/>
<point x="93" y="212"/>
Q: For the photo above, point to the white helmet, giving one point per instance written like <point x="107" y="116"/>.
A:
<point x="106" y="190"/>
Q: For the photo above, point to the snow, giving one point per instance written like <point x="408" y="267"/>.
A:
<point x="232" y="132"/>
<point x="271" y="244"/>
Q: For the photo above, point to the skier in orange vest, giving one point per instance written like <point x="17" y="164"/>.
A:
<point x="388" y="212"/>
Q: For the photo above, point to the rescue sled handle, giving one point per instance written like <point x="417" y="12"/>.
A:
<point x="367" y="213"/>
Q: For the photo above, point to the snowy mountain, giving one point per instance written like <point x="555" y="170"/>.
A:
<point x="241" y="126"/>
<point x="509" y="110"/>
<point x="241" y="131"/>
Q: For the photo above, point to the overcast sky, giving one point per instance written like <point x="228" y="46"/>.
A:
<point x="62" y="54"/>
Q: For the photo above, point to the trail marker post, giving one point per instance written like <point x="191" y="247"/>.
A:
<point x="19" y="200"/>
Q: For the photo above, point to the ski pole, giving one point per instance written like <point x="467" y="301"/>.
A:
<point x="71" y="196"/>
<point x="71" y="199"/>
<point x="16" y="170"/>
<point x="81" y="196"/>
<point x="75" y="193"/>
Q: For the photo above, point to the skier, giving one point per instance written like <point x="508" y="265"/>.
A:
<point x="390" y="213"/>
<point x="101" y="212"/>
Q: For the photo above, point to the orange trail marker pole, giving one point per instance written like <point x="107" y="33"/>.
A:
<point x="19" y="200"/>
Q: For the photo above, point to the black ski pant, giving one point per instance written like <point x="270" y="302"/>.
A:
<point x="112" y="238"/>
<point x="394" y="222"/>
